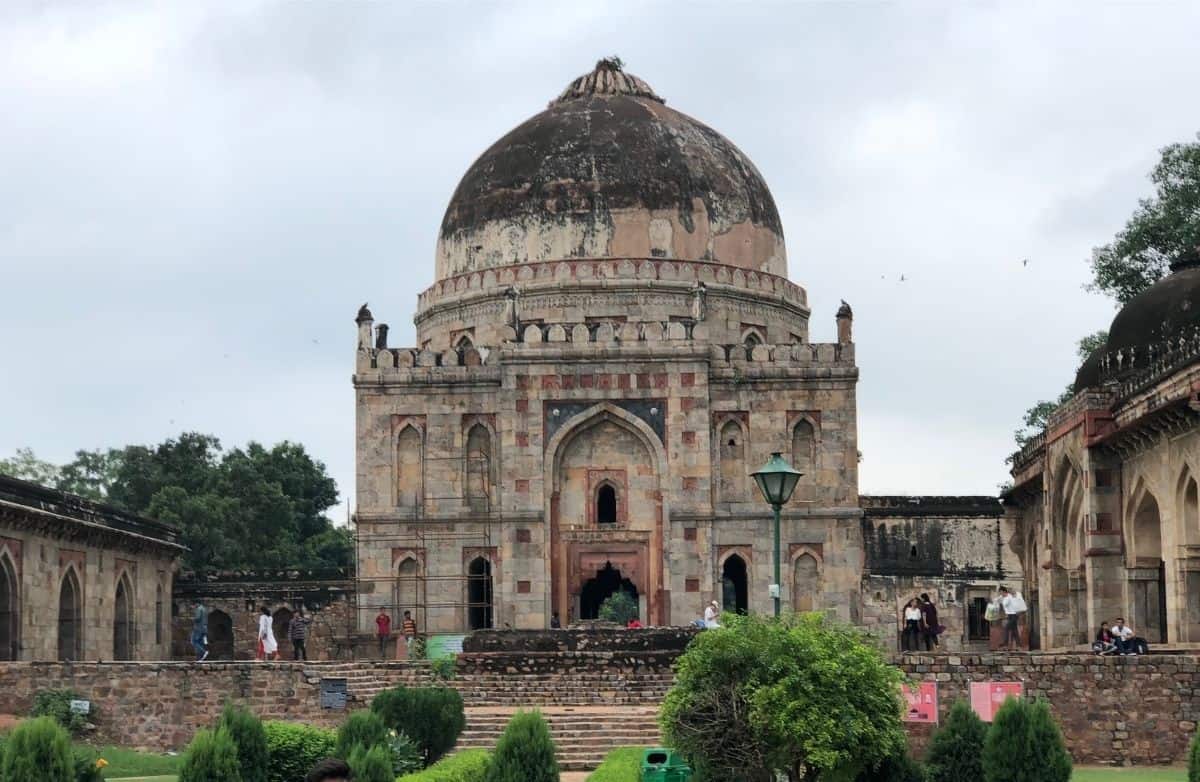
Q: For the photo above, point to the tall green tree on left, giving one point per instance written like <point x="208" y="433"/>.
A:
<point x="243" y="508"/>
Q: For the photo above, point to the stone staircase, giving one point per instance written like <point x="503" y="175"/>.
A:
<point x="583" y="734"/>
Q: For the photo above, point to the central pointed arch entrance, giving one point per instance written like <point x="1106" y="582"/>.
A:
<point x="606" y="583"/>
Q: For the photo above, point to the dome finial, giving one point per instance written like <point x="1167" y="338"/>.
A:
<point x="607" y="79"/>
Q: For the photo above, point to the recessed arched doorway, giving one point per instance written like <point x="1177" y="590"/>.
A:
<point x="220" y="636"/>
<point x="479" y="594"/>
<point x="123" y="622"/>
<point x="735" y="594"/>
<point x="70" y="618"/>
<point x="10" y="611"/>
<point x="598" y="589"/>
<point x="281" y="620"/>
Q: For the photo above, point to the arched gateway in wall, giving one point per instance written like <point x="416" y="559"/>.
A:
<point x="606" y="512"/>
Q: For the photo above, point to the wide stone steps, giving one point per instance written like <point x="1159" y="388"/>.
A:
<point x="583" y="735"/>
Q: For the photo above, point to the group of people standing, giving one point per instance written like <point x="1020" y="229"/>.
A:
<point x="921" y="625"/>
<point x="383" y="631"/>
<point x="267" y="646"/>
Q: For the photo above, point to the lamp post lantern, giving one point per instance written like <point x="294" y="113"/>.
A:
<point x="776" y="480"/>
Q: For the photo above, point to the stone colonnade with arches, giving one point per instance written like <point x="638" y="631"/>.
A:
<point x="81" y="581"/>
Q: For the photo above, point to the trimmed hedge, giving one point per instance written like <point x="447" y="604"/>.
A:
<point x="371" y="765"/>
<point x="956" y="750"/>
<point x="1194" y="759"/>
<point x="249" y="739"/>
<point x="38" y="749"/>
<point x="293" y="749"/>
<point x="361" y="729"/>
<point x="432" y="717"/>
<point x="468" y="766"/>
<point x="525" y="751"/>
<point x="1024" y="744"/>
<point x="621" y="765"/>
<point x="211" y="757"/>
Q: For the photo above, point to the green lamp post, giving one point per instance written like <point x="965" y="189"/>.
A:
<point x="776" y="480"/>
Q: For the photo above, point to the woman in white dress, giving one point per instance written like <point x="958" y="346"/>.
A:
<point x="268" y="647"/>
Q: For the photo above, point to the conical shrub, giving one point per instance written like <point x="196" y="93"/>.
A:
<point x="250" y="740"/>
<point x="1194" y="759"/>
<point x="955" y="752"/>
<point x="364" y="729"/>
<point x="371" y="765"/>
<point x="1024" y="744"/>
<point x="211" y="757"/>
<point x="525" y="752"/>
<point x="38" y="749"/>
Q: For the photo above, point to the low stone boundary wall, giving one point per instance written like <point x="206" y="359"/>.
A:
<point x="580" y="639"/>
<point x="1113" y="710"/>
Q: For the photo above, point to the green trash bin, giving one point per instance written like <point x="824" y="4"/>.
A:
<point x="660" y="764"/>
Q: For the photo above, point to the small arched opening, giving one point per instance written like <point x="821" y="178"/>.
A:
<point x="158" y="614"/>
<point x="806" y="583"/>
<point x="735" y="593"/>
<point x="10" y="610"/>
<point x="1149" y="594"/>
<point x="123" y="621"/>
<point x="220" y="635"/>
<point x="606" y="504"/>
<point x="280" y="621"/>
<point x="479" y="594"/>
<point x="70" y="618"/>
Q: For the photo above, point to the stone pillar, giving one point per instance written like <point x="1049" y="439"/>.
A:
<point x="1105" y="570"/>
<point x="845" y="324"/>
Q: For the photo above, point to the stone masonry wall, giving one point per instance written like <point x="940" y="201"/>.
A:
<point x="1113" y="710"/>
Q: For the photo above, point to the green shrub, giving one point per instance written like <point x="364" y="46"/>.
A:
<point x="211" y="757"/>
<point x="417" y="650"/>
<point x="250" y="739"/>
<point x="955" y="751"/>
<point x="1024" y="744"/>
<point x="294" y="749"/>
<point x="406" y="755"/>
<point x="86" y="769"/>
<point x="468" y="766"/>
<point x="38" y="749"/>
<point x="432" y="717"/>
<point x="1194" y="759"/>
<point x="525" y="752"/>
<point x="364" y="729"/>
<point x="619" y="607"/>
<point x="620" y="765"/>
<point x="371" y="765"/>
<point x="444" y="668"/>
<point x="894" y="768"/>
<point x="57" y="704"/>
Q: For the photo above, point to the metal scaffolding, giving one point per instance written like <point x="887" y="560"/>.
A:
<point x="474" y="593"/>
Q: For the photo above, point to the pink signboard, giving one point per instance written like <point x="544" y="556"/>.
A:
<point x="921" y="702"/>
<point x="988" y="697"/>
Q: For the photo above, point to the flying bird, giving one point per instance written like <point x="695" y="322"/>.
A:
<point x="1025" y="262"/>
<point x="901" y="278"/>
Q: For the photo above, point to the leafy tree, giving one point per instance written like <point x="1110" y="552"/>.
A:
<point x="250" y="741"/>
<point x="1164" y="229"/>
<point x="900" y="767"/>
<point x="954" y="751"/>
<point x="432" y="717"/>
<point x="1024" y="744"/>
<point x="211" y="757"/>
<point x="26" y="466"/>
<point x="619" y="607"/>
<point x="801" y="695"/>
<point x="1036" y="417"/>
<point x="525" y="752"/>
<point x="38" y="749"/>
<point x="295" y="748"/>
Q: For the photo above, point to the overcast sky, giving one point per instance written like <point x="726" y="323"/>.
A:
<point x="195" y="197"/>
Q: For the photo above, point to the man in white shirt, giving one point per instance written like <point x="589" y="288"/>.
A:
<point x="1012" y="632"/>
<point x="1122" y="636"/>
<point x="710" y="615"/>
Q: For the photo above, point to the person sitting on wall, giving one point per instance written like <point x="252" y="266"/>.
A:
<point x="330" y="770"/>
<point x="1104" y="643"/>
<point x="711" y="612"/>
<point x="554" y="623"/>
<point x="1122" y="637"/>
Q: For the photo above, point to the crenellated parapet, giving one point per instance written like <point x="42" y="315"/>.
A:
<point x="611" y="272"/>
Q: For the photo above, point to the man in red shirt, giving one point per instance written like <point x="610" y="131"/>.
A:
<point x="383" y="628"/>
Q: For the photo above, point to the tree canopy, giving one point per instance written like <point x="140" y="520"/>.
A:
<point x="1036" y="417"/>
<point x="1163" y="230"/>
<point x="801" y="695"/>
<point x="245" y="508"/>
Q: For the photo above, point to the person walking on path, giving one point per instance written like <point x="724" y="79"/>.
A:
<point x="268" y="647"/>
<point x="200" y="632"/>
<point x="929" y="622"/>
<point x="408" y="628"/>
<point x="383" y="630"/>
<point x="298" y="633"/>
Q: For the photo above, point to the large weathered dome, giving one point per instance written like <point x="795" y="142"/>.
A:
<point x="608" y="171"/>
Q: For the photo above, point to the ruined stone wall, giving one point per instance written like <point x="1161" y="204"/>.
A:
<point x="328" y="635"/>
<point x="1113" y="710"/>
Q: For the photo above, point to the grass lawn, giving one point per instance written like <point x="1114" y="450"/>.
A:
<point x="125" y="763"/>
